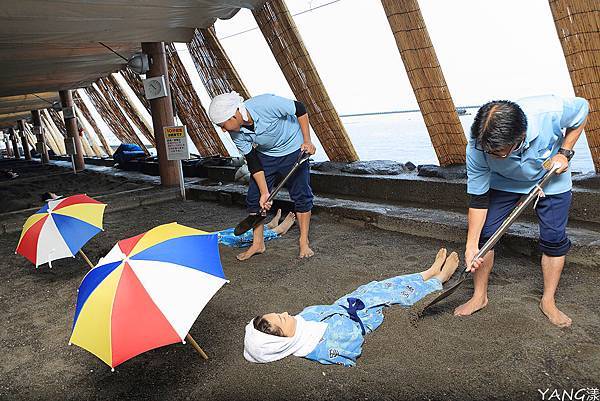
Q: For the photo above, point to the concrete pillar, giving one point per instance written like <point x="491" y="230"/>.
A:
<point x="39" y="134"/>
<point x="15" y="142"/>
<point x="22" y="133"/>
<point x="66" y="98"/>
<point x="162" y="112"/>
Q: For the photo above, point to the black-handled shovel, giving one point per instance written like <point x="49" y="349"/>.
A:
<point x="255" y="219"/>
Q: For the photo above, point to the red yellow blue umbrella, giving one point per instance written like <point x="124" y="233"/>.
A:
<point x="147" y="292"/>
<point x="60" y="228"/>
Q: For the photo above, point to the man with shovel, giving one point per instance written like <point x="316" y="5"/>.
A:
<point x="508" y="145"/>
<point x="272" y="133"/>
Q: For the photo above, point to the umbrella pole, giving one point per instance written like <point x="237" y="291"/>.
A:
<point x="196" y="346"/>
<point x="86" y="259"/>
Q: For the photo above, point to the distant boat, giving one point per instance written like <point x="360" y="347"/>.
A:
<point x="461" y="111"/>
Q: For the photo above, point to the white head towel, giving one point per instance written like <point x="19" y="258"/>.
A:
<point x="224" y="106"/>
<point x="260" y="347"/>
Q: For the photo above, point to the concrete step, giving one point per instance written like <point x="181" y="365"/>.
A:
<point x="422" y="222"/>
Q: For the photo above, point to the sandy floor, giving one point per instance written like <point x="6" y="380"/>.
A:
<point x="507" y="351"/>
<point x="34" y="179"/>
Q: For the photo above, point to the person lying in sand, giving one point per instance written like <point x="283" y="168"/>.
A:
<point x="8" y="174"/>
<point x="48" y="196"/>
<point x="334" y="334"/>
<point x="272" y="230"/>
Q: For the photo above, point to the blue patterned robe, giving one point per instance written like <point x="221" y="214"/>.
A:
<point x="342" y="342"/>
<point x="228" y="238"/>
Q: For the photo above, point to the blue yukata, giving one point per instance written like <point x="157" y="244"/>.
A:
<point x="508" y="179"/>
<point x="277" y="138"/>
<point x="228" y="238"/>
<point x="361" y="312"/>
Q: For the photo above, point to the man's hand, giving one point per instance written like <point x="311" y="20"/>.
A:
<point x="562" y="161"/>
<point x="472" y="264"/>
<point x="263" y="201"/>
<point x="309" y="148"/>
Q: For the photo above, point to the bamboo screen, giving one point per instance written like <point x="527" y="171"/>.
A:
<point x="427" y="80"/>
<point x="578" y="26"/>
<point x="118" y="122"/>
<point x="213" y="65"/>
<point x="112" y="86"/>
<point x="135" y="83"/>
<point x="282" y="36"/>
<point x="189" y="108"/>
<point x="88" y="116"/>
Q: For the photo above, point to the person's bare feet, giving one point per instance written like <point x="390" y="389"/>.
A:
<point x="554" y="314"/>
<point x="275" y="221"/>
<point x="471" y="306"/>
<point x="253" y="250"/>
<point x="305" y="251"/>
<point x="450" y="266"/>
<point x="436" y="267"/>
<point x="286" y="224"/>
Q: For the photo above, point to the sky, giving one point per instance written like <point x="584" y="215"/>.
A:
<point x="487" y="50"/>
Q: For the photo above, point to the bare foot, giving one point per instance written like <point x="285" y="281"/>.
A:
<point x="449" y="267"/>
<point x="436" y="267"/>
<point x="287" y="223"/>
<point x="305" y="251"/>
<point x="253" y="250"/>
<point x="275" y="221"/>
<point x="471" y="306"/>
<point x="553" y="314"/>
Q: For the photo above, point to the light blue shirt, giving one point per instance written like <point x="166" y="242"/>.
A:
<point x="276" y="128"/>
<point x="547" y="118"/>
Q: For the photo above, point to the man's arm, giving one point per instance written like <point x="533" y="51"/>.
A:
<point x="256" y="170"/>
<point x="574" y="117"/>
<point x="307" y="145"/>
<point x="476" y="220"/>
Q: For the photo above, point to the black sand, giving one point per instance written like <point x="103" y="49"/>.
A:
<point x="507" y="351"/>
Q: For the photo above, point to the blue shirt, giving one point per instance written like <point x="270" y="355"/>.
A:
<point x="547" y="118"/>
<point x="276" y="128"/>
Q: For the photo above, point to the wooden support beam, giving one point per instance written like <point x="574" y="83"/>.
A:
<point x="283" y="37"/>
<point x="427" y="80"/>
<point x="162" y="113"/>
<point x="90" y="119"/>
<point x="24" y="143"/>
<point x="578" y="26"/>
<point x="39" y="133"/>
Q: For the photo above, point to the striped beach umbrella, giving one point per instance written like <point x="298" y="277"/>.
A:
<point x="146" y="292"/>
<point x="60" y="229"/>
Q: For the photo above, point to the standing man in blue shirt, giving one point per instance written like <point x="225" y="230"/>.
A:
<point x="509" y="142"/>
<point x="271" y="132"/>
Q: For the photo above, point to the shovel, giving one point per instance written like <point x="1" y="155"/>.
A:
<point x="255" y="219"/>
<point x="524" y="202"/>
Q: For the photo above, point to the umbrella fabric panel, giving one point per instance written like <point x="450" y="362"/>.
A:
<point x="199" y="252"/>
<point x="92" y="330"/>
<point x="179" y="292"/>
<point x="44" y="208"/>
<point x="89" y="284"/>
<point x="138" y="325"/>
<point x="75" y="232"/>
<point x="57" y="204"/>
<point x="29" y="236"/>
<point x="51" y="245"/>
<point x="162" y="233"/>
<point x="91" y="213"/>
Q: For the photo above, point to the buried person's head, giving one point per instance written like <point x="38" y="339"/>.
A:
<point x="274" y="336"/>
<point x="499" y="128"/>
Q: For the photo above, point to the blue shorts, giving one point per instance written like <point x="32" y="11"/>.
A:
<point x="552" y="212"/>
<point x="275" y="169"/>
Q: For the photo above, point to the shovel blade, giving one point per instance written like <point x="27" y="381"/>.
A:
<point x="446" y="292"/>
<point x="248" y="223"/>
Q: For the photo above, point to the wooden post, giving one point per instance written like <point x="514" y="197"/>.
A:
<point x="427" y="80"/>
<point x="7" y="143"/>
<point x="578" y="26"/>
<point x="66" y="98"/>
<point x="26" y="152"/>
<point x="282" y="36"/>
<point x="15" y="142"/>
<point x="162" y="113"/>
<point x="39" y="133"/>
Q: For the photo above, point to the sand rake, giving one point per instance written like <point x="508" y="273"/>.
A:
<point x="522" y="205"/>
